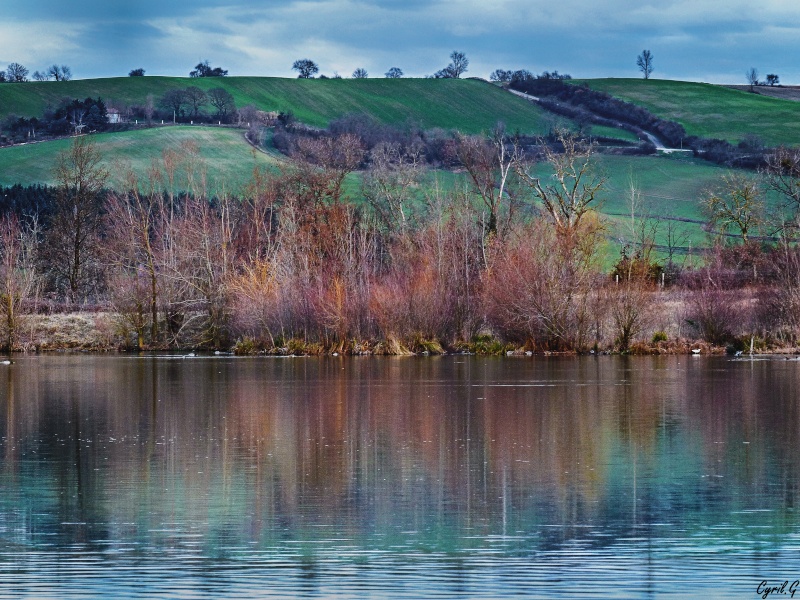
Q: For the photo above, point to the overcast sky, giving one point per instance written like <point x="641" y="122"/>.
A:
<point x="697" y="40"/>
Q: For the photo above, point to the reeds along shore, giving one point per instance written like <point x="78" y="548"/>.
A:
<point x="292" y="267"/>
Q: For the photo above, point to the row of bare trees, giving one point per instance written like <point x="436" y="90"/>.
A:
<point x="419" y="265"/>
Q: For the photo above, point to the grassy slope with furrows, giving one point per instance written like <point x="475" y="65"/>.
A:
<point x="470" y="106"/>
<point x="711" y="111"/>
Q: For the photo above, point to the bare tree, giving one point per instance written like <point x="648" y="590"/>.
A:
<point x="489" y="164"/>
<point x="645" y="63"/>
<point x="337" y="155"/>
<point x="456" y="68"/>
<point x="256" y="236"/>
<point x="501" y="76"/>
<point x="539" y="289"/>
<point x="196" y="99"/>
<point x="204" y="251"/>
<point x="675" y="238"/>
<point x="459" y="63"/>
<point x="780" y="305"/>
<point x="59" y="72"/>
<point x="773" y="79"/>
<point x="360" y="73"/>
<point x="39" y="76"/>
<point x="16" y="73"/>
<point x="390" y="181"/>
<point x="752" y="78"/>
<point x="782" y="175"/>
<point x="737" y="205"/>
<point x="18" y="274"/>
<point x="149" y="108"/>
<point x="306" y="68"/>
<point x="174" y="100"/>
<point x="131" y="221"/>
<point x="630" y="307"/>
<point x="71" y="244"/>
<point x="575" y="184"/>
<point x="222" y="100"/>
<point x="394" y="73"/>
<point x="714" y="303"/>
<point x="204" y="69"/>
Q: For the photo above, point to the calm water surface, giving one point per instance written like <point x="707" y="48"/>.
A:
<point x="454" y="477"/>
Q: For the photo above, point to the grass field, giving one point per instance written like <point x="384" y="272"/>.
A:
<point x="227" y="158"/>
<point x="471" y="106"/>
<point x="711" y="111"/>
<point x="671" y="187"/>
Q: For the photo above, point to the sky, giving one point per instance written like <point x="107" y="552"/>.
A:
<point x="715" y="41"/>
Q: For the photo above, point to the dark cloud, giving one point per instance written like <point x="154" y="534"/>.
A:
<point x="108" y="10"/>
<point x="691" y="39"/>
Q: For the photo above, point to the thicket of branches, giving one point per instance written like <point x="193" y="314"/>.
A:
<point x="299" y="263"/>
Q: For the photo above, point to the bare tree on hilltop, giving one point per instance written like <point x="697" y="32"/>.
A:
<point x="16" y="73"/>
<point x="204" y="69"/>
<point x="59" y="72"/>
<point x="306" y="68"/>
<point x="456" y="68"/>
<point x="752" y="78"/>
<point x="645" y="63"/>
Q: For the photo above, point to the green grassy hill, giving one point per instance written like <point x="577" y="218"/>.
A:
<point x="470" y="106"/>
<point x="226" y="157"/>
<point x="670" y="186"/>
<point x="711" y="111"/>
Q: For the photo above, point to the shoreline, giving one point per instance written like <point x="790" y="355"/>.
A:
<point x="102" y="332"/>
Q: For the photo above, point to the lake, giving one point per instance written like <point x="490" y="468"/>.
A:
<point x="405" y="477"/>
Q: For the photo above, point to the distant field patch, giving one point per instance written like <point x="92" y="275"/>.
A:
<point x="711" y="111"/>
<point x="226" y="157"/>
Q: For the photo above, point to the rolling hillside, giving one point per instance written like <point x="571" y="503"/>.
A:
<point x="711" y="111"/>
<point x="470" y="106"/>
<point x="670" y="187"/>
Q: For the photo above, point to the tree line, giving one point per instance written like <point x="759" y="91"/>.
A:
<point x="74" y="116"/>
<point x="17" y="73"/>
<point x="69" y="117"/>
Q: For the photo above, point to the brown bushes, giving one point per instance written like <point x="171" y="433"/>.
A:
<point x="541" y="287"/>
<point x="293" y="265"/>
